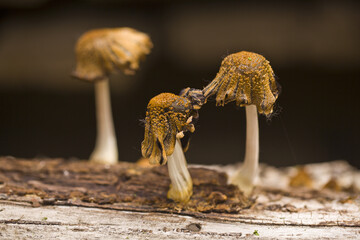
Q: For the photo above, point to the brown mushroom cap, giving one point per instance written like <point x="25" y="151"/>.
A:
<point x="102" y="51"/>
<point x="246" y="78"/>
<point x="167" y="114"/>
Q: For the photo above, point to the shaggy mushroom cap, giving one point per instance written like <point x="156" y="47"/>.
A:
<point x="246" y="78"/>
<point x="168" y="117"/>
<point x="102" y="51"/>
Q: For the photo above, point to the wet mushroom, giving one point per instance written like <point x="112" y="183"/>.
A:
<point x="99" y="53"/>
<point x="168" y="124"/>
<point x="248" y="79"/>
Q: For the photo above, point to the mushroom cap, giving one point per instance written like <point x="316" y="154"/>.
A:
<point x="246" y="78"/>
<point x="167" y="115"/>
<point x="99" y="52"/>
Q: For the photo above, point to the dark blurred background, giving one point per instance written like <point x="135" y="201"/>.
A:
<point x="313" y="47"/>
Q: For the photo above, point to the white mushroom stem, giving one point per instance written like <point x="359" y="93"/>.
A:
<point x="181" y="182"/>
<point x="106" y="147"/>
<point x="246" y="176"/>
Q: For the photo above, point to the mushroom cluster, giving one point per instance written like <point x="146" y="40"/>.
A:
<point x="245" y="78"/>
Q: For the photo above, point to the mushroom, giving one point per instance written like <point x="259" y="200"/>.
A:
<point x="169" y="122"/>
<point x="248" y="79"/>
<point x="99" y="53"/>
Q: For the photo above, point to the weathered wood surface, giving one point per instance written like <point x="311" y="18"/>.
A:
<point x="324" y="204"/>
<point x="62" y="222"/>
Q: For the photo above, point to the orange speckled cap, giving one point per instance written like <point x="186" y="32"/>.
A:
<point x="167" y="114"/>
<point x="246" y="78"/>
<point x="102" y="51"/>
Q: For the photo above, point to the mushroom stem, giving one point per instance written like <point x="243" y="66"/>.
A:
<point x="181" y="183"/>
<point x="246" y="176"/>
<point x="106" y="147"/>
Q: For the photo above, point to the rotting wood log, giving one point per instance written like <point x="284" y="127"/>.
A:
<point x="43" y="198"/>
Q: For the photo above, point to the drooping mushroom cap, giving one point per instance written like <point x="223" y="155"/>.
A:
<point x="168" y="116"/>
<point x="102" y="51"/>
<point x="246" y="78"/>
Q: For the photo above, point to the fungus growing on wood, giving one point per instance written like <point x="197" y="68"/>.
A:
<point x="99" y="53"/>
<point x="169" y="122"/>
<point x="248" y="79"/>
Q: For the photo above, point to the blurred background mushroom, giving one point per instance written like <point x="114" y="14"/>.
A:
<point x="98" y="53"/>
<point x="313" y="48"/>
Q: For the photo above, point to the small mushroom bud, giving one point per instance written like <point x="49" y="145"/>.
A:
<point x="196" y="97"/>
<point x="99" y="53"/>
<point x="168" y="124"/>
<point x="248" y="80"/>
